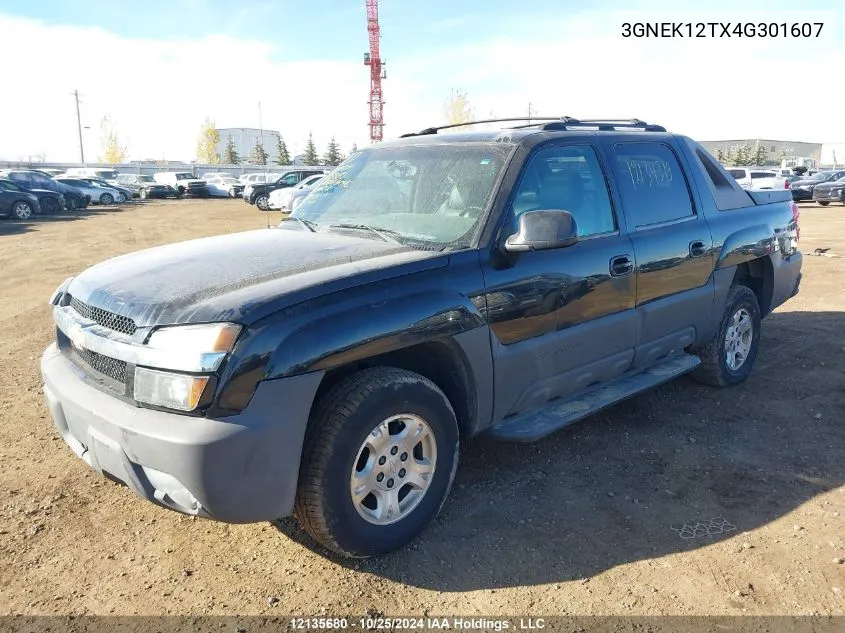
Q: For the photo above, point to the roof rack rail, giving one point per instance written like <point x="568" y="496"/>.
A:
<point x="434" y="130"/>
<point x="604" y="125"/>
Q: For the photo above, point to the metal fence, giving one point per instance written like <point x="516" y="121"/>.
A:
<point x="151" y="167"/>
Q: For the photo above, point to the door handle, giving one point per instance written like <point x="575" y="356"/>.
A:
<point x="697" y="248"/>
<point x="621" y="265"/>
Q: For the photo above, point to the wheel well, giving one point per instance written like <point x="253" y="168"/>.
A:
<point x="758" y="275"/>
<point x="442" y="362"/>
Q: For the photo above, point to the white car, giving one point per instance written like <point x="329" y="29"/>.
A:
<point x="756" y="178"/>
<point x="222" y="186"/>
<point x="286" y="198"/>
<point x="252" y="179"/>
<point x="99" y="194"/>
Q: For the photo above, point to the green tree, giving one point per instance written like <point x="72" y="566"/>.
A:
<point x="113" y="150"/>
<point x="231" y="156"/>
<point x="761" y="156"/>
<point x="354" y="149"/>
<point x="282" y="153"/>
<point x="258" y="155"/>
<point x="742" y="156"/>
<point x="721" y="156"/>
<point x="207" y="142"/>
<point x="332" y="155"/>
<point x="310" y="157"/>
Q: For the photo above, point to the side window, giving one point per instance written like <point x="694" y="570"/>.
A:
<point x="22" y="179"/>
<point x="569" y="178"/>
<point x="737" y="173"/>
<point x="40" y="182"/>
<point x="762" y="174"/>
<point x="652" y="184"/>
<point x="291" y="179"/>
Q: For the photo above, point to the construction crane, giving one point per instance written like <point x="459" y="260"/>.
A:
<point x="377" y="73"/>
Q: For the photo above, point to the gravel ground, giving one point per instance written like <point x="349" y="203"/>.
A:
<point x="684" y="501"/>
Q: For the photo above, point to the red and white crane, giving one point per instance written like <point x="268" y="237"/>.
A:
<point x="377" y="73"/>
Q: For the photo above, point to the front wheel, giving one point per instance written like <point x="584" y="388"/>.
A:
<point x="379" y="458"/>
<point x="121" y="198"/>
<point x="50" y="206"/>
<point x="143" y="194"/>
<point x="728" y="358"/>
<point x="824" y="204"/>
<point x="70" y="204"/>
<point x="263" y="203"/>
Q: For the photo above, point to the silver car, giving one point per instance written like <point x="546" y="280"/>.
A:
<point x="100" y="194"/>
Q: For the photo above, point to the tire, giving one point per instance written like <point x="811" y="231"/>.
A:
<point x="344" y="421"/>
<point x="121" y="198"/>
<point x="142" y="194"/>
<point x="714" y="368"/>
<point x="22" y="210"/>
<point x="106" y="198"/>
<point x="824" y="204"/>
<point x="180" y="191"/>
<point x="263" y="202"/>
<point x="50" y="206"/>
<point x="70" y="204"/>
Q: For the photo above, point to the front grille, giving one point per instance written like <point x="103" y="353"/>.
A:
<point x="107" y="319"/>
<point x="105" y="365"/>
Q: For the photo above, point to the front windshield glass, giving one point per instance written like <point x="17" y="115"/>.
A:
<point x="426" y="196"/>
<point x="146" y="179"/>
<point x="821" y="175"/>
<point x="184" y="176"/>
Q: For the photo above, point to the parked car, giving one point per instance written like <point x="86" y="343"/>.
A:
<point x="830" y="191"/>
<point x="127" y="193"/>
<point x="330" y="367"/>
<point x="803" y="189"/>
<point x="16" y="202"/>
<point x="258" y="193"/>
<point x="248" y="179"/>
<point x="757" y="178"/>
<point x="67" y="197"/>
<point x="183" y="182"/>
<point x="49" y="202"/>
<point x="144" y="186"/>
<point x="224" y="186"/>
<point x="101" y="173"/>
<point x="97" y="194"/>
<point x="283" y="199"/>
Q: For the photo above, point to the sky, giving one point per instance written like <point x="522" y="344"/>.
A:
<point x="158" y="68"/>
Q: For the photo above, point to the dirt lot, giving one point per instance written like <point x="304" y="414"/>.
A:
<point x="586" y="522"/>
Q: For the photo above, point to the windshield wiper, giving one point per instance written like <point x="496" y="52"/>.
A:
<point x="308" y="224"/>
<point x="385" y="234"/>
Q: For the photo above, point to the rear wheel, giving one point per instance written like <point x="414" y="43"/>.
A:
<point x="379" y="459"/>
<point x="824" y="204"/>
<point x="729" y="357"/>
<point x="143" y="194"/>
<point x="22" y="210"/>
<point x="106" y="198"/>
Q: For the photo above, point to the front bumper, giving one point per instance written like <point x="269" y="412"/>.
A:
<point x="828" y="195"/>
<point x="236" y="469"/>
<point x="801" y="194"/>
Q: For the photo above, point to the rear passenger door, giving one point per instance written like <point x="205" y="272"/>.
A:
<point x="672" y="245"/>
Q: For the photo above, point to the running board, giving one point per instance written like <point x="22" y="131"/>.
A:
<point x="534" y="425"/>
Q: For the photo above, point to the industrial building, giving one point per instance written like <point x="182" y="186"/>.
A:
<point x="775" y="151"/>
<point x="245" y="139"/>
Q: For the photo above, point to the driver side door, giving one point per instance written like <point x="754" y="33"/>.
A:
<point x="562" y="319"/>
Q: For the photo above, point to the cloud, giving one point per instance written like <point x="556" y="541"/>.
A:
<point x="158" y="92"/>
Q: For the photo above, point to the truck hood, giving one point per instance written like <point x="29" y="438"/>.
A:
<point x="240" y="277"/>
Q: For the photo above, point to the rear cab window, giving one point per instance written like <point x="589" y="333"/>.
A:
<point x="652" y="185"/>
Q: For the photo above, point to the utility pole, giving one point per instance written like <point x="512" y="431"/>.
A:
<point x="79" y="127"/>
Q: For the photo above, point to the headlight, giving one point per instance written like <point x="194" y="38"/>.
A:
<point x="58" y="292"/>
<point x="202" y="346"/>
<point x="165" y="389"/>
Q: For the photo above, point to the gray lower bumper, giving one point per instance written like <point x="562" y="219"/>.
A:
<point x="239" y="469"/>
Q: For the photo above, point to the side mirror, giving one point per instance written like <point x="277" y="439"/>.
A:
<point x="542" y="230"/>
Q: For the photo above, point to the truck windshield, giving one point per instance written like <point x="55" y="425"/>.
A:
<point x="429" y="196"/>
<point x="184" y="176"/>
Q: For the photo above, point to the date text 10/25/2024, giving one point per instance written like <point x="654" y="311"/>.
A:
<point x="721" y="29"/>
<point x="368" y="623"/>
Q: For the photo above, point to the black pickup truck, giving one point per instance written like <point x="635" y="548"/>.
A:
<point x="258" y="193"/>
<point x="432" y="288"/>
